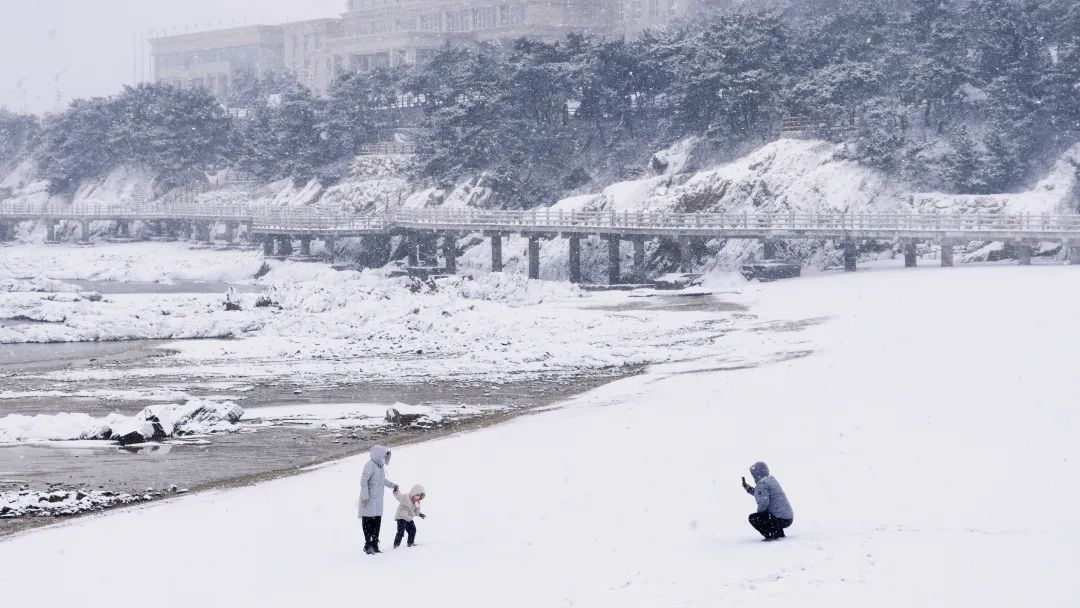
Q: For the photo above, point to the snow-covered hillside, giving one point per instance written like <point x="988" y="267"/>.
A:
<point x="784" y="175"/>
<point x="919" y="477"/>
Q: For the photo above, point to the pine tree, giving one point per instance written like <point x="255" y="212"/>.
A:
<point x="18" y="135"/>
<point x="962" y="164"/>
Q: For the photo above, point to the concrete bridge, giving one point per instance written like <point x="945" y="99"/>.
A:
<point x="423" y="229"/>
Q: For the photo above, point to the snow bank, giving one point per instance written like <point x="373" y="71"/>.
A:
<point x="132" y="262"/>
<point x="87" y="317"/>
<point x="57" y="503"/>
<point x="156" y="422"/>
<point x="346" y="416"/>
<point x="34" y="284"/>
<point x="325" y="325"/>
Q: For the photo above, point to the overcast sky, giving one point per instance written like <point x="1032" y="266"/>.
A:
<point x="54" y="50"/>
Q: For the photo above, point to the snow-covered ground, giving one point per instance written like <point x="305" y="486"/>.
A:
<point x="323" y="325"/>
<point x="144" y="262"/>
<point x="921" y="421"/>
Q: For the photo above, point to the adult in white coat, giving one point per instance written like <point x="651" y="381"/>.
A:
<point x="373" y="484"/>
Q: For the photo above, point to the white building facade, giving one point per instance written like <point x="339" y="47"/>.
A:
<point x="387" y="33"/>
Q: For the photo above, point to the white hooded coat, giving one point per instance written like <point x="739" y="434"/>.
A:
<point x="373" y="482"/>
<point x="407" y="509"/>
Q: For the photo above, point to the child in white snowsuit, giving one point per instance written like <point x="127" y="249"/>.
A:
<point x="408" y="509"/>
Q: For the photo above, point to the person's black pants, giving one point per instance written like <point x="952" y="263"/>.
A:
<point x="371" y="525"/>
<point x="770" y="527"/>
<point x="403" y="527"/>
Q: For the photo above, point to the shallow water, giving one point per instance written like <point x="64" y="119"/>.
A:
<point x="256" y="451"/>
<point x="134" y="287"/>
<point x="694" y="302"/>
<point x="61" y="355"/>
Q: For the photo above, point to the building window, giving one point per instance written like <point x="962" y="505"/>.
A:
<point x="459" y="21"/>
<point x="431" y="23"/>
<point x="512" y="14"/>
<point x="486" y="18"/>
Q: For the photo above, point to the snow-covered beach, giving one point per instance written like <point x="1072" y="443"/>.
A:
<point x="317" y="356"/>
<point x="915" y="417"/>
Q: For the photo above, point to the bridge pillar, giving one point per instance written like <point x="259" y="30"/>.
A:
<point x="284" y="246"/>
<point x="573" y="259"/>
<point x="268" y="245"/>
<point x="50" y="231"/>
<point x="911" y="254"/>
<point x="613" y="258"/>
<point x="429" y="255"/>
<point x="683" y="249"/>
<point x="851" y="255"/>
<point x="7" y="232"/>
<point x="330" y="246"/>
<point x="947" y="254"/>
<point x="639" y="260"/>
<point x="449" y="247"/>
<point x="412" y="247"/>
<point x="1024" y="252"/>
<point x="534" y="256"/>
<point x="1074" y="253"/>
<point x="208" y="232"/>
<point x="769" y="249"/>
<point x="305" y="245"/>
<point x="230" y="232"/>
<point x="496" y="252"/>
<point x="84" y="231"/>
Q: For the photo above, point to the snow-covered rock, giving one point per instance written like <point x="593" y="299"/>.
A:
<point x="56" y="503"/>
<point x="156" y="422"/>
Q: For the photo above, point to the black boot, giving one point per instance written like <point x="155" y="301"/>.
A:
<point x="367" y="548"/>
<point x="375" y="547"/>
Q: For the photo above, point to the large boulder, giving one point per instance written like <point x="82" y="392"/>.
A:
<point x="132" y="430"/>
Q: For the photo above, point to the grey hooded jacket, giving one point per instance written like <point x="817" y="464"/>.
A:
<point x="768" y="493"/>
<point x="373" y="482"/>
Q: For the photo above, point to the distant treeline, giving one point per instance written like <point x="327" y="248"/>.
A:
<point x="970" y="96"/>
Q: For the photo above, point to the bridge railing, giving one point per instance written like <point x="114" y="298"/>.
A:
<point x="553" y="220"/>
<point x="290" y="220"/>
<point x="614" y="220"/>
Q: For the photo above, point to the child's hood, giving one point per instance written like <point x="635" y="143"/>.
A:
<point x="416" y="491"/>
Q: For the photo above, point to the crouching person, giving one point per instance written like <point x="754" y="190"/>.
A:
<point x="774" y="512"/>
<point x="408" y="510"/>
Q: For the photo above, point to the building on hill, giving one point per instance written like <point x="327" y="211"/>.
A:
<point x="385" y="33"/>
<point x="212" y="59"/>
